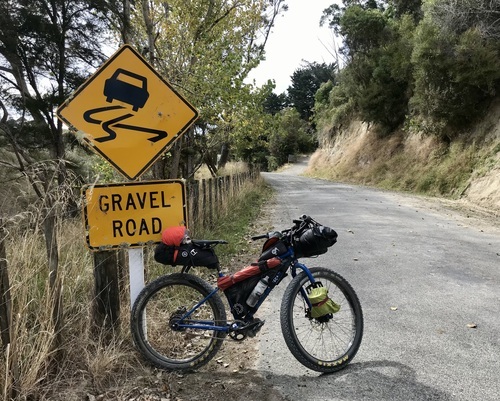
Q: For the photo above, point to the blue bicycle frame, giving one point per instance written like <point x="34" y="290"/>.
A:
<point x="184" y="322"/>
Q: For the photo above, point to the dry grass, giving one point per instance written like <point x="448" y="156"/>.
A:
<point x="407" y="162"/>
<point x="231" y="168"/>
<point x="41" y="365"/>
<point x="35" y="360"/>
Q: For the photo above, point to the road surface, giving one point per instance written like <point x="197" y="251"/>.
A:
<point x="428" y="279"/>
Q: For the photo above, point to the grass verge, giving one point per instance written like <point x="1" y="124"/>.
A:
<point x="87" y="363"/>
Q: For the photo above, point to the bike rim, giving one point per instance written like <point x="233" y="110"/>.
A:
<point x="176" y="346"/>
<point x="324" y="341"/>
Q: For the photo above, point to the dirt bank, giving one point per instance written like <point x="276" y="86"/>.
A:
<point x="467" y="169"/>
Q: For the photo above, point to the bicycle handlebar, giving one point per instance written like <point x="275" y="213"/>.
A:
<point x="255" y="238"/>
<point x="303" y="219"/>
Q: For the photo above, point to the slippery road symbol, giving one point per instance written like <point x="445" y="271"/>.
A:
<point x="129" y="88"/>
<point x="135" y="95"/>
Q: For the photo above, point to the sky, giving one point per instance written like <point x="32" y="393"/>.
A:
<point x="295" y="38"/>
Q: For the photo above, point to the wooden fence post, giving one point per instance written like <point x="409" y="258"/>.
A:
<point x="217" y="201"/>
<point x="107" y="291"/>
<point x="210" y="202"/>
<point x="196" y="205"/>
<point x="203" y="207"/>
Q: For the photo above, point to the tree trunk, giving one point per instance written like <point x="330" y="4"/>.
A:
<point x="176" y="158"/>
<point x="224" y="156"/>
<point x="126" y="21"/>
<point x="51" y="245"/>
<point x="146" y="14"/>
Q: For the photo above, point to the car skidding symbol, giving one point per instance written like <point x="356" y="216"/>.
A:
<point x="127" y="91"/>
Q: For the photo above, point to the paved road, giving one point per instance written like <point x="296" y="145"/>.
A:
<point x="423" y="275"/>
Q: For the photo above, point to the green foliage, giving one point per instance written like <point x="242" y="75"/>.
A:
<point x="333" y="111"/>
<point x="251" y="127"/>
<point x="454" y="76"/>
<point x="206" y="50"/>
<point x="274" y="103"/>
<point x="265" y="133"/>
<point x="305" y="83"/>
<point x="363" y="29"/>
<point x="433" y="68"/>
<point x="290" y="137"/>
<point x="384" y="98"/>
<point x="376" y="83"/>
<point x="412" y="8"/>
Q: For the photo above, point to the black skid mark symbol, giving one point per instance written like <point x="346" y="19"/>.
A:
<point x="112" y="134"/>
<point x="87" y="116"/>
<point x="106" y="126"/>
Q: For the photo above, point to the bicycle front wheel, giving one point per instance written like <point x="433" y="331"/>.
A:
<point x="328" y="343"/>
<point x="158" y="308"/>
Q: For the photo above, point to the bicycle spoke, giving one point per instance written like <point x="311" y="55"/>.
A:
<point x="162" y="316"/>
<point x="322" y="343"/>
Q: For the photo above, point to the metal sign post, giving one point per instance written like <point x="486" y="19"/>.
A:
<point x="136" y="273"/>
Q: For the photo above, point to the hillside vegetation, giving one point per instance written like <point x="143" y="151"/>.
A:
<point x="416" y="105"/>
<point x="468" y="168"/>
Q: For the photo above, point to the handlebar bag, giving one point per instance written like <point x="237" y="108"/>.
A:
<point x="314" y="241"/>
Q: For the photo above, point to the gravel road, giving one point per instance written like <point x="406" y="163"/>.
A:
<point x="428" y="279"/>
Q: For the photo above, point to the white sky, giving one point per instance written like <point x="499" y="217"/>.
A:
<point x="296" y="37"/>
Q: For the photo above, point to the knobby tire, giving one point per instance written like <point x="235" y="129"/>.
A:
<point x="158" y="305"/>
<point x="323" y="346"/>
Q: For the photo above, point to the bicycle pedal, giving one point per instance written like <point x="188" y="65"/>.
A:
<point x="253" y="328"/>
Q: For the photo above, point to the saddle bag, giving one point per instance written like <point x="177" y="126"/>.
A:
<point x="177" y="248"/>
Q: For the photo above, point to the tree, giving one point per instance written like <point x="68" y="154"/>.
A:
<point x="454" y="76"/>
<point x="206" y="49"/>
<point x="305" y="83"/>
<point x="46" y="49"/>
<point x="274" y="103"/>
<point x="458" y="16"/>
<point x="252" y="127"/>
<point x="407" y="7"/>
<point x="290" y="137"/>
<point x="378" y="76"/>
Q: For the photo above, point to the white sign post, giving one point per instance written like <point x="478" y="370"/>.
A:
<point x="136" y="272"/>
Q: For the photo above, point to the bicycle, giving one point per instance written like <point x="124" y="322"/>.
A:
<point x="178" y="321"/>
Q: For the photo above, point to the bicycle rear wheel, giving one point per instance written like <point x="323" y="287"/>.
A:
<point x="328" y="343"/>
<point x="155" y="312"/>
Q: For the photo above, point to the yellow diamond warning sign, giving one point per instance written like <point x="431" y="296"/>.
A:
<point x="132" y="214"/>
<point x="127" y="113"/>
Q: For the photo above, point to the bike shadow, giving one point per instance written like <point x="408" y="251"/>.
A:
<point x="375" y="380"/>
